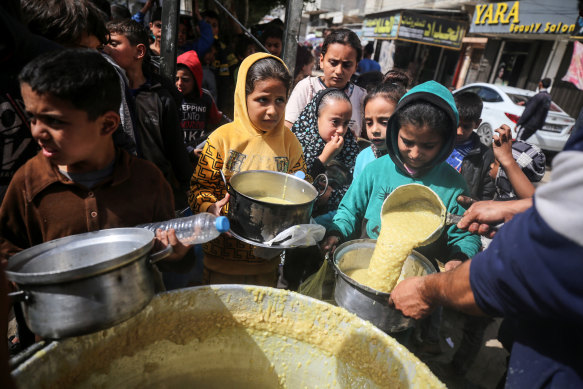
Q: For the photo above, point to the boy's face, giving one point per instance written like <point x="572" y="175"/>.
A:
<point x="66" y="135"/>
<point x="273" y="45"/>
<point x="214" y="25"/>
<point x="334" y="119"/>
<point x="465" y="129"/>
<point x="266" y="104"/>
<point x="156" y="28"/>
<point x="418" y="146"/>
<point x="122" y="51"/>
<point x="182" y="34"/>
<point x="251" y="49"/>
<point x="184" y="82"/>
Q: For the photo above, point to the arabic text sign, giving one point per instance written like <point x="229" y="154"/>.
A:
<point x="381" y="28"/>
<point x="436" y="31"/>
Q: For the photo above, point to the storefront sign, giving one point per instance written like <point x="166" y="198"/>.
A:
<point x="525" y="17"/>
<point x="434" y="31"/>
<point x="416" y="28"/>
<point x="381" y="28"/>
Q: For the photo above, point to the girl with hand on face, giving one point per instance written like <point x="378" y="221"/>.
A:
<point x="255" y="140"/>
<point x="379" y="106"/>
<point x="341" y="52"/>
<point x="329" y="147"/>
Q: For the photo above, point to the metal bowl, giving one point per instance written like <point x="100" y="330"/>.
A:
<point x="230" y="336"/>
<point x="365" y="302"/>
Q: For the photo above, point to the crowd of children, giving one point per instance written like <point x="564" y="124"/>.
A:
<point x="120" y="145"/>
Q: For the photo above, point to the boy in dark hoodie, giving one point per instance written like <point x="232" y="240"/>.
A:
<point x="159" y="137"/>
<point x="200" y="115"/>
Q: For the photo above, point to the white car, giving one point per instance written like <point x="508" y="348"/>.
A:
<point x="505" y="104"/>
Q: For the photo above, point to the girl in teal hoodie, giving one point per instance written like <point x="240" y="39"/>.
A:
<point x="420" y="137"/>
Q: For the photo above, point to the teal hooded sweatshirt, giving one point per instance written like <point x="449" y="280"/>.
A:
<point x="359" y="212"/>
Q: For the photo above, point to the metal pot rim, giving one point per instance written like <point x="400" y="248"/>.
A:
<point x="17" y="261"/>
<point x="352" y="282"/>
<point x="290" y="176"/>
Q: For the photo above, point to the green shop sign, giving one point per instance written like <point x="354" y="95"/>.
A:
<point x="412" y="27"/>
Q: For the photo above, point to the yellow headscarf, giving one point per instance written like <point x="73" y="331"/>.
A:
<point x="242" y="146"/>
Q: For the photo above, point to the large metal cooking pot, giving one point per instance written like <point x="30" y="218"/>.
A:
<point x="260" y="221"/>
<point x="85" y="282"/>
<point x="230" y="336"/>
<point x="366" y="302"/>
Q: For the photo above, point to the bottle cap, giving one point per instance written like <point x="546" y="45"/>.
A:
<point x="222" y="224"/>
<point x="300" y="174"/>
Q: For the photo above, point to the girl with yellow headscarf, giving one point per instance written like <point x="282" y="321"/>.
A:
<point x="256" y="140"/>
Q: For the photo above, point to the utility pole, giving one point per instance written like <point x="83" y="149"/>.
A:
<point x="293" y="19"/>
<point x="170" y="10"/>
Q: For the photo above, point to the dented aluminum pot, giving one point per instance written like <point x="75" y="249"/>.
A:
<point x="86" y="282"/>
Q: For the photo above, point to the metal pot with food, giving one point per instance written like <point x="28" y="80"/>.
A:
<point x="86" y="282"/>
<point x="264" y="203"/>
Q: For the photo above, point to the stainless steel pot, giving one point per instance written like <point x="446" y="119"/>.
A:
<point x="260" y="221"/>
<point x="366" y="302"/>
<point x="86" y="282"/>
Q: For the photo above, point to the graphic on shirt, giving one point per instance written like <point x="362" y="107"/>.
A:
<point x="235" y="161"/>
<point x="281" y="164"/>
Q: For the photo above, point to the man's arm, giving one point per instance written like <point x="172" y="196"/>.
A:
<point x="417" y="297"/>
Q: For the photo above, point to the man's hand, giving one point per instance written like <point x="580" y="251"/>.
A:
<point x="408" y="298"/>
<point x="502" y="145"/>
<point x="331" y="149"/>
<point x="452" y="264"/>
<point x="481" y="215"/>
<point x="216" y="208"/>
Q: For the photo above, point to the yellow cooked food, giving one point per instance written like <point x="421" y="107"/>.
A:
<point x="402" y="229"/>
<point x="273" y="200"/>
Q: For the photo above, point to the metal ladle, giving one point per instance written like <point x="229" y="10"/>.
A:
<point x="416" y="192"/>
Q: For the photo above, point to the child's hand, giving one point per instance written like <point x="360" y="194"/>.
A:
<point x="197" y="152"/>
<point x="332" y="148"/>
<point x="166" y="238"/>
<point x="325" y="197"/>
<point x="502" y="145"/>
<point x="329" y="244"/>
<point x="216" y="208"/>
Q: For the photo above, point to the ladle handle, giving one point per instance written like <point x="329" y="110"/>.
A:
<point x="318" y="178"/>
<point x="227" y="185"/>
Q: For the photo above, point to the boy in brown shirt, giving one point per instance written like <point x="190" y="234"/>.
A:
<point x="79" y="181"/>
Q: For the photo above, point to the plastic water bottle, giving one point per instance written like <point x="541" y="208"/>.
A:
<point x="195" y="229"/>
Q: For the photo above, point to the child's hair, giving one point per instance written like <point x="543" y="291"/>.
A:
<point x="469" y="106"/>
<point x="303" y="57"/>
<point x="134" y="31"/>
<point x="119" y="11"/>
<point x="396" y="77"/>
<point x="241" y="44"/>
<point x="421" y="114"/>
<point x="156" y="15"/>
<point x="79" y="76"/>
<point x="264" y="69"/>
<point x="369" y="80"/>
<point x="390" y="92"/>
<point x="272" y="31"/>
<point x="546" y="82"/>
<point x="334" y="95"/>
<point x="64" y="21"/>
<point x="343" y="36"/>
<point x="369" y="48"/>
<point x="210" y="14"/>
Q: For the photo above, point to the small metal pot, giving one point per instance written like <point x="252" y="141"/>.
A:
<point x="86" y="282"/>
<point x="261" y="221"/>
<point x="366" y="302"/>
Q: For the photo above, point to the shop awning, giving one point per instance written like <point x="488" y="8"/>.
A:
<point x="410" y="26"/>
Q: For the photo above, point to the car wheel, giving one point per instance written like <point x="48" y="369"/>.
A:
<point x="485" y="134"/>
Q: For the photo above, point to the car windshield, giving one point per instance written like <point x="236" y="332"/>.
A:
<point x="522" y="99"/>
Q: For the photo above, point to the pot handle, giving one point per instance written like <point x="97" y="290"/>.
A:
<point x="321" y="177"/>
<point x="160" y="255"/>
<point x="20" y="296"/>
<point x="227" y="185"/>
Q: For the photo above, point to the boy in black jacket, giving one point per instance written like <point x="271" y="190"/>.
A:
<point x="470" y="157"/>
<point x="158" y="130"/>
